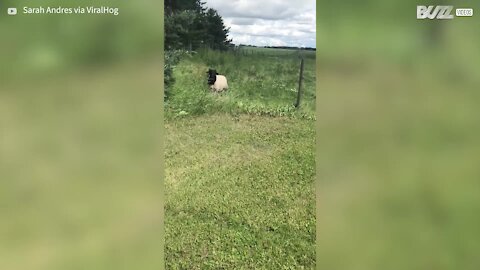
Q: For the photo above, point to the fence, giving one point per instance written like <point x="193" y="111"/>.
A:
<point x="300" y="81"/>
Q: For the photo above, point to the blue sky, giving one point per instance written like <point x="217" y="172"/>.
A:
<point x="268" y="22"/>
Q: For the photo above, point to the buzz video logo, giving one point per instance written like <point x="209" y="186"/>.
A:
<point x="442" y="12"/>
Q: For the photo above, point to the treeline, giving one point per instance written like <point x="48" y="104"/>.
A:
<point x="190" y="25"/>
<point x="290" y="48"/>
<point x="278" y="47"/>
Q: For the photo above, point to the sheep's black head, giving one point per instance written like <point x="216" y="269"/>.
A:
<point x="212" y="76"/>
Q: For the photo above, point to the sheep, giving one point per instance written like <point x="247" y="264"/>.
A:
<point x="217" y="82"/>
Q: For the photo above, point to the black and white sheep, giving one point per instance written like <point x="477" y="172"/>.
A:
<point x="217" y="82"/>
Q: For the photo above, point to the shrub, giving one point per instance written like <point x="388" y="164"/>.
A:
<point x="172" y="57"/>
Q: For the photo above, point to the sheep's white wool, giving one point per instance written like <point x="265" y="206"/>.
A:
<point x="220" y="83"/>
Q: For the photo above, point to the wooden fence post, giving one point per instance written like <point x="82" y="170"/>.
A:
<point x="300" y="79"/>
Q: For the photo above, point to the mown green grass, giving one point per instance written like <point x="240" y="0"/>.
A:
<point x="79" y="170"/>
<point x="240" y="193"/>
<point x="397" y="159"/>
<point x="397" y="141"/>
<point x="240" y="164"/>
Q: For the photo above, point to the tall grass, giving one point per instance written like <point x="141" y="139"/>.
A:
<point x="264" y="82"/>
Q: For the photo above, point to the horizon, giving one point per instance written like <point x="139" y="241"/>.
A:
<point x="272" y="46"/>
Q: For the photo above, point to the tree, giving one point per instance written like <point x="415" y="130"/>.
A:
<point x="172" y="6"/>
<point x="188" y="25"/>
<point x="217" y="32"/>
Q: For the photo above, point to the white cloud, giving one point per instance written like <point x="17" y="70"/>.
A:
<point x="269" y="22"/>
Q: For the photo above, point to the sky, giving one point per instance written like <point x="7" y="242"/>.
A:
<point x="268" y="22"/>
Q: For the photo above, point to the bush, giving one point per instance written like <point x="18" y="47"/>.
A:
<point x="172" y="57"/>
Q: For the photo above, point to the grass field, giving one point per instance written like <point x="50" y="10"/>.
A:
<point x="276" y="52"/>
<point x="259" y="83"/>
<point x="398" y="170"/>
<point x="240" y="165"/>
<point x="397" y="144"/>
<point x="79" y="170"/>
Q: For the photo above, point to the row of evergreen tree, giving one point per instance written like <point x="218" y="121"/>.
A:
<point x="190" y="25"/>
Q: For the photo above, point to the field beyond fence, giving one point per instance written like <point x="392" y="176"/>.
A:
<point x="262" y="81"/>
